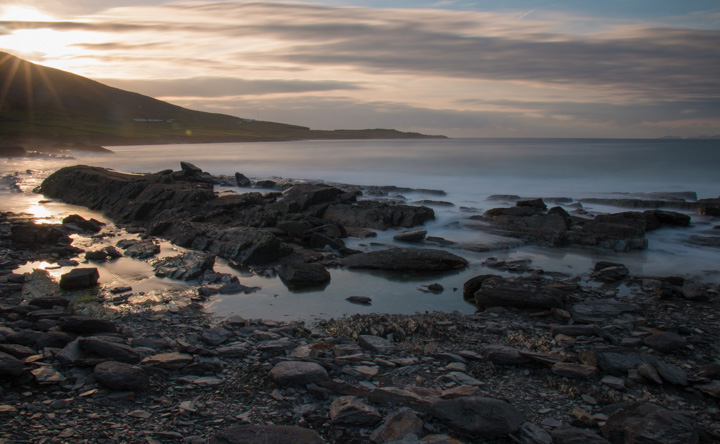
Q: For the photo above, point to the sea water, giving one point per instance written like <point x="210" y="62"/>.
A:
<point x="467" y="170"/>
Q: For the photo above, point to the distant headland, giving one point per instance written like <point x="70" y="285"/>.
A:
<point x="41" y="106"/>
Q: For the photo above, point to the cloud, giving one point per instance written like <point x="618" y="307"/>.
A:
<point x="224" y="87"/>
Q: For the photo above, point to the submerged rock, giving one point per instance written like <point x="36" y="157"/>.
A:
<point x="409" y="259"/>
<point x="300" y="275"/>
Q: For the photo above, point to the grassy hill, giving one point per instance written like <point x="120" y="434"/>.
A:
<point x="46" y="104"/>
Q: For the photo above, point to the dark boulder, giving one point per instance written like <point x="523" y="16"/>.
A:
<point x="139" y="249"/>
<point x="242" y="181"/>
<point x="301" y="197"/>
<point x="655" y="219"/>
<point x="411" y="235"/>
<point x="79" y="278"/>
<point x="121" y="376"/>
<point x="533" y="203"/>
<point x="82" y="224"/>
<point x="194" y="173"/>
<point x="10" y="366"/>
<point x="301" y="275"/>
<point x="409" y="259"/>
<point x="298" y="373"/>
<point x="86" y="325"/>
<point x="31" y="234"/>
<point x="524" y="292"/>
<point x="478" y="416"/>
<point x="378" y="215"/>
<point x="184" y="267"/>
<point x="645" y="423"/>
<point x="110" y="350"/>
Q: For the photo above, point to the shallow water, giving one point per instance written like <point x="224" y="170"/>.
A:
<point x="469" y="170"/>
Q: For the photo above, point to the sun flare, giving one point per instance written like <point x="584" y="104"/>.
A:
<point x="15" y="13"/>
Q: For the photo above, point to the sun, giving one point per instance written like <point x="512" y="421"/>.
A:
<point x="15" y="13"/>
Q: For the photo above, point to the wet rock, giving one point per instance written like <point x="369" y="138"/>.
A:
<point x="478" y="416"/>
<point x="194" y="173"/>
<point x="87" y="325"/>
<point x="139" y="249"/>
<point x="378" y="215"/>
<point x="184" y="267"/>
<point x="414" y="259"/>
<point x="79" y="278"/>
<point x="361" y="300"/>
<point x="645" y="422"/>
<point x="303" y="196"/>
<point x="610" y="272"/>
<point x="110" y="350"/>
<point x="532" y="203"/>
<point x="298" y="373"/>
<point x="503" y="355"/>
<point x="655" y="219"/>
<point x="301" y="275"/>
<point x="37" y="235"/>
<point x="524" y="292"/>
<point x="121" y="376"/>
<point x="572" y="435"/>
<point x="349" y="410"/>
<point x="10" y="366"/>
<point x="411" y="235"/>
<point x="704" y="241"/>
<point x="397" y="426"/>
<point x="266" y="434"/>
<point x="665" y="342"/>
<point x="602" y="309"/>
<point x="82" y="224"/>
<point x="242" y="181"/>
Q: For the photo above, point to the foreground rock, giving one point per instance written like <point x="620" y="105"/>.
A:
<point x="411" y="259"/>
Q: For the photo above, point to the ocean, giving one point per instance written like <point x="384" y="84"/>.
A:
<point x="467" y="170"/>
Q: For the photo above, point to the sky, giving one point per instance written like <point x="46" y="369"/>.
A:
<point x="483" y="68"/>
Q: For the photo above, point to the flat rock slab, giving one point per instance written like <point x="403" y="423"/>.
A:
<point x="645" y="422"/>
<point x="86" y="325"/>
<point x="349" y="410"/>
<point x="184" y="267"/>
<point x="169" y="360"/>
<point x="411" y="235"/>
<point x="407" y="259"/>
<point x="266" y="434"/>
<point x="110" y="350"/>
<point x="525" y="292"/>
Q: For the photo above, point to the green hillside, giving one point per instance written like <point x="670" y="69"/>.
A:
<point x="38" y="102"/>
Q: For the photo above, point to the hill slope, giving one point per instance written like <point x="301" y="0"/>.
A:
<point x="38" y="102"/>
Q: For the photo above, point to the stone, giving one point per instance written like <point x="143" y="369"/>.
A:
<point x="572" y="435"/>
<point x="575" y="371"/>
<point x="139" y="249"/>
<point x="602" y="309"/>
<point x="610" y="272"/>
<point x="503" y="355"/>
<point x="360" y="300"/>
<point x="266" y="434"/>
<point x="298" y="373"/>
<point x="413" y="397"/>
<point x="79" y="278"/>
<point x="645" y="422"/>
<point x="530" y="433"/>
<point x="397" y="426"/>
<point x="172" y="361"/>
<point x="47" y="374"/>
<point x="411" y="235"/>
<point x="121" y="376"/>
<point x="10" y="366"/>
<point x="242" y="181"/>
<point x="375" y="344"/>
<point x="409" y="259"/>
<point x="301" y="275"/>
<point x="478" y="416"/>
<point x="377" y="215"/>
<point x="711" y="389"/>
<point x="665" y="342"/>
<point x="87" y="325"/>
<point x="524" y="292"/>
<point x="110" y="350"/>
<point x="349" y="410"/>
<point x="184" y="267"/>
<point x="75" y="220"/>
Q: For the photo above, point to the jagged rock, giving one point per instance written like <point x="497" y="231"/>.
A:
<point x="524" y="292"/>
<point x="139" y="249"/>
<point x="655" y="219"/>
<point x="572" y="435"/>
<point x="397" y="426"/>
<point x="617" y="361"/>
<point x="298" y="373"/>
<point x="378" y="215"/>
<point x="266" y="434"/>
<point x="301" y="275"/>
<point x="75" y="220"/>
<point x="413" y="259"/>
<point x="478" y="416"/>
<point x="38" y="234"/>
<point x="610" y="272"/>
<point x="242" y="181"/>
<point x="349" y="410"/>
<point x="411" y="235"/>
<point x="533" y="203"/>
<point x="503" y="354"/>
<point x="194" y="173"/>
<point x="184" y="267"/>
<point x="110" y="350"/>
<point x="10" y="366"/>
<point x="86" y="325"/>
<point x="303" y="196"/>
<point x="121" y="376"/>
<point x="47" y="374"/>
<point x="645" y="422"/>
<point x="414" y="397"/>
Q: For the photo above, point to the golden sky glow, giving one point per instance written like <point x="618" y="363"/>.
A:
<point x="456" y="70"/>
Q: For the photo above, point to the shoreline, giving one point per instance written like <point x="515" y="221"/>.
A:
<point x="579" y="360"/>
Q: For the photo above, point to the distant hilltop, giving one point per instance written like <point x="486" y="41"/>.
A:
<point x="702" y="137"/>
<point x="38" y="103"/>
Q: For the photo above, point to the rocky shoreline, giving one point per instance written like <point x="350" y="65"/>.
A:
<point x="546" y="358"/>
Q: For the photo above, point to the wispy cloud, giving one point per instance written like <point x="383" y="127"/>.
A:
<point x="546" y="67"/>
